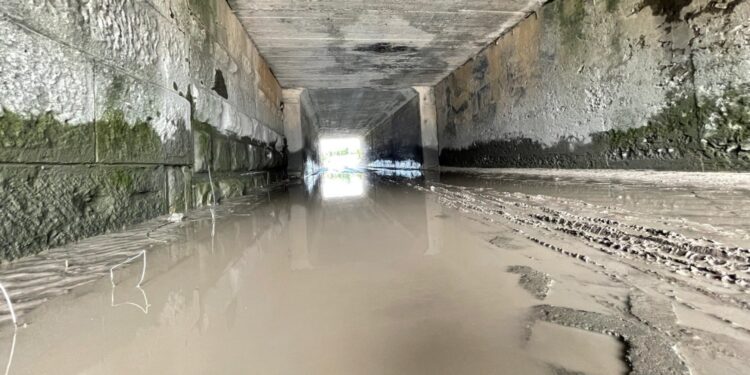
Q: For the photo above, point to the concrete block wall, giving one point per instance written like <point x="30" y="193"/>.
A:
<point x="301" y="128"/>
<point x="606" y="84"/>
<point x="310" y="124"/>
<point x="112" y="111"/>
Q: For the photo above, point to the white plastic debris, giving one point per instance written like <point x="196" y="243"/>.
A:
<point x="176" y="218"/>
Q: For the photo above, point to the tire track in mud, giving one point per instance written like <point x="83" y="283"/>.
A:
<point x="648" y="325"/>
<point x="641" y="248"/>
<point x="702" y="259"/>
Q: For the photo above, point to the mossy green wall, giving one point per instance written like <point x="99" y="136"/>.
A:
<point x="44" y="139"/>
<point x="50" y="205"/>
<point x="606" y="84"/>
<point x="108" y="115"/>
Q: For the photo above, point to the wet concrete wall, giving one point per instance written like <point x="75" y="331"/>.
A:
<point x="310" y="124"/>
<point x="397" y="142"/>
<point x="606" y="84"/>
<point x="112" y="112"/>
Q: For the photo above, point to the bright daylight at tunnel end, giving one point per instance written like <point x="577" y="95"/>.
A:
<point x="552" y="187"/>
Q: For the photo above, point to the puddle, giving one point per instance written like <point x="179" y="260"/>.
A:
<point x="349" y="273"/>
<point x="690" y="317"/>
<point x="576" y="350"/>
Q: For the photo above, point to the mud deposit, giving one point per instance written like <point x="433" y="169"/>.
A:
<point x="360" y="273"/>
<point x="535" y="282"/>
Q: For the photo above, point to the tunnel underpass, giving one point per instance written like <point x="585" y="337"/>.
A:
<point x="542" y="187"/>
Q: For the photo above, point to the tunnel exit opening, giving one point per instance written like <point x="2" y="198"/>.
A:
<point x="342" y="158"/>
<point x="340" y="154"/>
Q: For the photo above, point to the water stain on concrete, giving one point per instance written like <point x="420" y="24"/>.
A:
<point x="385" y="47"/>
<point x="671" y="9"/>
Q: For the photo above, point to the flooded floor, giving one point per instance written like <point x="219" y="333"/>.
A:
<point x="380" y="273"/>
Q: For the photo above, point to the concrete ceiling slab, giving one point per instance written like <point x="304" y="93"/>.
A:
<point x="373" y="43"/>
<point x="356" y="111"/>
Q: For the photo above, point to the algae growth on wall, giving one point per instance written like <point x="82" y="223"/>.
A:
<point x="98" y="104"/>
<point x="614" y="84"/>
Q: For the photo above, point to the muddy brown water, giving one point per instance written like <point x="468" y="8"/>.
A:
<point x="355" y="273"/>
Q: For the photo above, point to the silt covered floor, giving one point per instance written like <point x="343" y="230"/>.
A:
<point x="398" y="273"/>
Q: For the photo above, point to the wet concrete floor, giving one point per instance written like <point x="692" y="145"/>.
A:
<point x="364" y="273"/>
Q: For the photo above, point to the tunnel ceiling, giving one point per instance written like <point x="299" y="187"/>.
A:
<point x="373" y="43"/>
<point x="356" y="111"/>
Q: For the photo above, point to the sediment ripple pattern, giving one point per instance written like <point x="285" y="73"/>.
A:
<point x="703" y="258"/>
<point x="33" y="280"/>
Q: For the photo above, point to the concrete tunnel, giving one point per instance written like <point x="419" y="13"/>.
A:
<point x="375" y="187"/>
